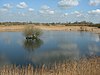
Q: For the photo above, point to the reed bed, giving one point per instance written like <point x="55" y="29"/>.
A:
<point x="85" y="66"/>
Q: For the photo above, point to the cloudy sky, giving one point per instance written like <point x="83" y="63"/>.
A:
<point x="50" y="10"/>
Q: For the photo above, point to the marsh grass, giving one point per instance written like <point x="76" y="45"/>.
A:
<point x="86" y="66"/>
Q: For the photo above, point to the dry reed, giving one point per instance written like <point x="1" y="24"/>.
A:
<point x="89" y="66"/>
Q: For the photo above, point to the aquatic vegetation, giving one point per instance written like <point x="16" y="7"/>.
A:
<point x="32" y="33"/>
<point x="86" y="66"/>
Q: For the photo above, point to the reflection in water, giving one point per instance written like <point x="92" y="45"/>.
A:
<point x="31" y="45"/>
<point x="93" y="49"/>
<point x="6" y="38"/>
<point x="99" y="36"/>
<point x="71" y="49"/>
<point x="64" y="52"/>
<point x="96" y="38"/>
<point x="54" y="46"/>
<point x="4" y="60"/>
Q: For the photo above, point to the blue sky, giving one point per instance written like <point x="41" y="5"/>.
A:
<point x="50" y="10"/>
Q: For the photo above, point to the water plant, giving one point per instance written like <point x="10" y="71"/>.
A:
<point x="32" y="33"/>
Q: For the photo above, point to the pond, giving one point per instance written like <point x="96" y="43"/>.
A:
<point x="53" y="46"/>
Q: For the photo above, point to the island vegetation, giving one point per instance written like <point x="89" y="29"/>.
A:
<point x="32" y="33"/>
<point x="32" y="36"/>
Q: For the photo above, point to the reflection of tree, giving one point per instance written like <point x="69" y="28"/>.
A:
<point x="30" y="44"/>
<point x="99" y="36"/>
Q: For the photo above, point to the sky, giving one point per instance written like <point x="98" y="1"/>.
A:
<point x="47" y="11"/>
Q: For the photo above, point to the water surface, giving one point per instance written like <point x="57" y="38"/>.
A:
<point x="52" y="46"/>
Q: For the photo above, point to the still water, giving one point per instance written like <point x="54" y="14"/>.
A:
<point x="52" y="46"/>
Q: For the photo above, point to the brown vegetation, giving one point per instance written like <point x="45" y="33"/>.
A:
<point x="30" y="31"/>
<point x="89" y="66"/>
<point x="57" y="27"/>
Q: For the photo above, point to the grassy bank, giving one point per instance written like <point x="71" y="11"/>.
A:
<point x="89" y="66"/>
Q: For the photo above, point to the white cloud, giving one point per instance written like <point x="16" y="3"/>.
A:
<point x="45" y="7"/>
<point x="21" y="14"/>
<point x="7" y="6"/>
<point x="68" y="3"/>
<point x="51" y="12"/>
<point x="46" y="14"/>
<point x="94" y="2"/>
<point x="22" y="5"/>
<point x="66" y="14"/>
<point x="30" y="9"/>
<point x="46" y="10"/>
<point x="77" y="13"/>
<point x="97" y="11"/>
<point x="3" y="10"/>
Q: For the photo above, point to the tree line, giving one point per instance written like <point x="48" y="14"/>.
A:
<point x="82" y="23"/>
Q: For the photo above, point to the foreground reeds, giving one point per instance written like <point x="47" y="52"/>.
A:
<point x="86" y="66"/>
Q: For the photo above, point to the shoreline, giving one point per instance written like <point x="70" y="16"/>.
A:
<point x="53" y="28"/>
